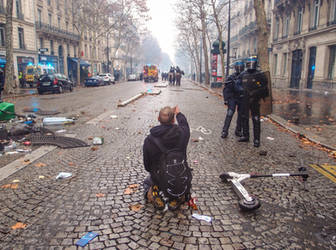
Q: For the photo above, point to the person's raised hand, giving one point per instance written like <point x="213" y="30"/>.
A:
<point x="176" y="110"/>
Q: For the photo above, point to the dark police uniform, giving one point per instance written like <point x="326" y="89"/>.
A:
<point x="232" y="98"/>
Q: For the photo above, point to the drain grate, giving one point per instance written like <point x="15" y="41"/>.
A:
<point x="60" y="141"/>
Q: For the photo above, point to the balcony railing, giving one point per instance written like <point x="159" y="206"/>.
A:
<point x="56" y="31"/>
<point x="248" y="28"/>
<point x="20" y="15"/>
<point x="332" y="22"/>
<point x="297" y="32"/>
<point x="2" y="10"/>
<point x="312" y="28"/>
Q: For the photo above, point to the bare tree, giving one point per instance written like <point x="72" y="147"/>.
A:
<point x="263" y="38"/>
<point x="10" y="84"/>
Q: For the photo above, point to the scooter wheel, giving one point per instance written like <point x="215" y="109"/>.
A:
<point x="249" y="205"/>
<point x="225" y="177"/>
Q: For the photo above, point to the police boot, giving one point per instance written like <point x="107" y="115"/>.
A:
<point x="246" y="135"/>
<point x="227" y="123"/>
<point x="256" y="131"/>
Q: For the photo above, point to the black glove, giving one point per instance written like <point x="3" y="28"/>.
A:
<point x="226" y="103"/>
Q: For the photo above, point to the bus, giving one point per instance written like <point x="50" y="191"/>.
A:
<point x="150" y="73"/>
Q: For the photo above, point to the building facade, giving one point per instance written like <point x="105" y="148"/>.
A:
<point x="24" y="36"/>
<point x="304" y="44"/>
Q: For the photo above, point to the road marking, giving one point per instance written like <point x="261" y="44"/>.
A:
<point x="327" y="170"/>
<point x="22" y="162"/>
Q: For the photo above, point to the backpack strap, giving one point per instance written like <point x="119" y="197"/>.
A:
<point x="158" y="143"/>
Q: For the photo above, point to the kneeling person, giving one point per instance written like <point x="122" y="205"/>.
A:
<point x="165" y="158"/>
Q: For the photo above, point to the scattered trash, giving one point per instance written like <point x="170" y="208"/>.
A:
<point x="192" y="204"/>
<point x="270" y="138"/>
<point x="131" y="189"/>
<point x="27" y="143"/>
<point x="41" y="177"/>
<point x="40" y="165"/>
<point x="200" y="138"/>
<point x="99" y="195"/>
<point x="204" y="130"/>
<point x="195" y="162"/>
<point x="117" y="128"/>
<point x="149" y="91"/>
<point x="19" y="225"/>
<point x="63" y="175"/>
<point x="10" y="147"/>
<point x="202" y="217"/>
<point x="11" y="153"/>
<point x="263" y="153"/>
<point x="94" y="148"/>
<point x="16" y="181"/>
<point x="98" y="141"/>
<point x="11" y="186"/>
<point x="71" y="164"/>
<point x="114" y="116"/>
<point x="86" y="239"/>
<point x="57" y="121"/>
<point x="19" y="150"/>
<point x="61" y="131"/>
<point x="195" y="140"/>
<point x="136" y="207"/>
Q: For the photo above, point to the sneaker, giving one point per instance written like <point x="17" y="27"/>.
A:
<point x="175" y="204"/>
<point x="157" y="198"/>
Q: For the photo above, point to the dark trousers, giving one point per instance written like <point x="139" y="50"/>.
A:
<point x="253" y="106"/>
<point x="232" y="104"/>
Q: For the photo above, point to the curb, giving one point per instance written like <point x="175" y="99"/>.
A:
<point x="278" y="120"/>
<point x="124" y="103"/>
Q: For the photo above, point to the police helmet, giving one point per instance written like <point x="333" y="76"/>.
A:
<point x="239" y="66"/>
<point x="251" y="63"/>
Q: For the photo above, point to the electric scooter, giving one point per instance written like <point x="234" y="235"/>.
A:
<point x="248" y="202"/>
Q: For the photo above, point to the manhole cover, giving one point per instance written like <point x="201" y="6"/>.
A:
<point x="60" y="141"/>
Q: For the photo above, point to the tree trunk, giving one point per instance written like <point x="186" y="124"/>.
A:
<point x="10" y="84"/>
<point x="79" y="56"/>
<point x="263" y="38"/>
<point x="205" y="52"/>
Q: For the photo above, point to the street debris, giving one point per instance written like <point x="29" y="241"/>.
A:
<point x="270" y="138"/>
<point x="192" y="203"/>
<point x="202" y="217"/>
<point x="263" y="153"/>
<point x="16" y="181"/>
<point x="114" y="116"/>
<point x="136" y="207"/>
<point x="98" y="141"/>
<point x="86" y="239"/>
<point x="94" y="148"/>
<point x="57" y="121"/>
<point x="61" y="131"/>
<point x="195" y="162"/>
<point x="40" y="165"/>
<point x="131" y="189"/>
<point x="10" y="186"/>
<point x="41" y="177"/>
<point x="63" y="175"/>
<point x="19" y="225"/>
<point x="99" y="195"/>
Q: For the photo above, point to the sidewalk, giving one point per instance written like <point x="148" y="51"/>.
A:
<point x="20" y="93"/>
<point x="309" y="114"/>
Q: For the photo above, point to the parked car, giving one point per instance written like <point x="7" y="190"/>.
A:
<point x="132" y="77"/>
<point x="54" y="82"/>
<point x="94" y="81"/>
<point x="108" y="78"/>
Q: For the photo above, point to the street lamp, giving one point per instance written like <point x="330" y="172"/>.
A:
<point x="228" y="43"/>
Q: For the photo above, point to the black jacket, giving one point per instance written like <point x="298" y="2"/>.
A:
<point x="229" y="90"/>
<point x="170" y="136"/>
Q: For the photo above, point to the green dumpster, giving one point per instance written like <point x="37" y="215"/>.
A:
<point x="6" y="111"/>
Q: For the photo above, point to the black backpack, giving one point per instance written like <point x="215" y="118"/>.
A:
<point x="173" y="174"/>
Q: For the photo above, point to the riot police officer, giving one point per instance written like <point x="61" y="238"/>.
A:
<point x="255" y="87"/>
<point x="232" y="98"/>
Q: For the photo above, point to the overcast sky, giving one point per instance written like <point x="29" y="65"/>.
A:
<point x="162" y="24"/>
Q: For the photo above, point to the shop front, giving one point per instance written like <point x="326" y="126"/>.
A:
<point x="50" y="61"/>
<point x="23" y="62"/>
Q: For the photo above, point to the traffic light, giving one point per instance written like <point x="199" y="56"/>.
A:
<point x="215" y="47"/>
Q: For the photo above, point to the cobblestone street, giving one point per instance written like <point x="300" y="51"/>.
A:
<point x="59" y="212"/>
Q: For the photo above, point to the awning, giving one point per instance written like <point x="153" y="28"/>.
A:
<point x="2" y="61"/>
<point x="82" y="62"/>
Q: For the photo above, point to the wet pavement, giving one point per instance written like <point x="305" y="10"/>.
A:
<point x="56" y="213"/>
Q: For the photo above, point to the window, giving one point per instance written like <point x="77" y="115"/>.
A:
<point x="2" y="7"/>
<point x="67" y="26"/>
<point x="51" y="47"/>
<point x="49" y="19"/>
<point x="39" y="16"/>
<point x="284" y="64"/>
<point x="299" y="22"/>
<point x="59" y="22"/>
<point x="276" y="29"/>
<point x="68" y="49"/>
<point x="2" y="36"/>
<point x="49" y="2"/>
<point x="275" y="72"/>
<point x="18" y="9"/>
<point x="21" y="38"/>
<point x="41" y="42"/>
<point x="315" y="14"/>
<point x="75" y="50"/>
<point x="332" y="65"/>
<point x="285" y="26"/>
<point x="332" y="19"/>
